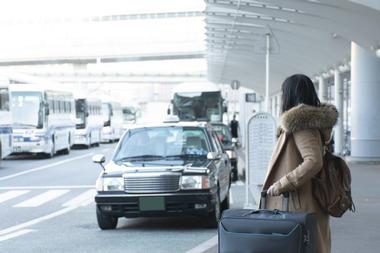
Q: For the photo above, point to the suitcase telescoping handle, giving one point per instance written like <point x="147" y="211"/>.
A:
<point x="285" y="201"/>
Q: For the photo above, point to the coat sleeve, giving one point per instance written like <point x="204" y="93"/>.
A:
<point x="309" y="145"/>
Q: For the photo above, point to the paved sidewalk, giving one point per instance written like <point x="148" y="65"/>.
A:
<point x="358" y="232"/>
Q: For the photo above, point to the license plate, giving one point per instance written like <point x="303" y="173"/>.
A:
<point x="152" y="204"/>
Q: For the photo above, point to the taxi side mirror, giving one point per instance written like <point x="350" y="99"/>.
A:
<point x="100" y="158"/>
<point x="212" y="156"/>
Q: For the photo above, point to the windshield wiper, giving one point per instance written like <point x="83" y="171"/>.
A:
<point x="140" y="157"/>
<point x="184" y="156"/>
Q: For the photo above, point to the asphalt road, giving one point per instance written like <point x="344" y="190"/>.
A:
<point x="46" y="205"/>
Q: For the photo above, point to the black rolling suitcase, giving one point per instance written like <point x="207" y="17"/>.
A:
<point x="266" y="231"/>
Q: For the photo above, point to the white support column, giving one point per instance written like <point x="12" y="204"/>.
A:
<point x="274" y="106"/>
<point x="338" y="94"/>
<point x="267" y="69"/>
<point x="279" y="101"/>
<point x="365" y="116"/>
<point x="322" y="89"/>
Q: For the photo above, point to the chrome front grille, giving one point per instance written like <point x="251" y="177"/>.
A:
<point x="151" y="182"/>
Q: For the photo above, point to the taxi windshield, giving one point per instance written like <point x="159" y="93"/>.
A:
<point x="162" y="142"/>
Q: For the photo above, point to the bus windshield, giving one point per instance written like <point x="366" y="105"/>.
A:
<point x="198" y="106"/>
<point x="26" y="109"/>
<point x="80" y="112"/>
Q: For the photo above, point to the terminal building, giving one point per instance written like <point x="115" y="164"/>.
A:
<point x="334" y="42"/>
<point x="254" y="43"/>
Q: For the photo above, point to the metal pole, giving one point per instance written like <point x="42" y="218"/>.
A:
<point x="322" y="89"/>
<point x="338" y="94"/>
<point x="247" y="165"/>
<point x="267" y="74"/>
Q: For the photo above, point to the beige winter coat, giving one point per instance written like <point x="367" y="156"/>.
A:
<point x="297" y="157"/>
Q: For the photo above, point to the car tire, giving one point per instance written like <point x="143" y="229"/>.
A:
<point x="213" y="217"/>
<point x="105" y="222"/>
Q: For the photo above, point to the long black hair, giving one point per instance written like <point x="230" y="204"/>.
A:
<point x="298" y="89"/>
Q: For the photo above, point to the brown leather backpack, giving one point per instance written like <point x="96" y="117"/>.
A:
<point x="332" y="185"/>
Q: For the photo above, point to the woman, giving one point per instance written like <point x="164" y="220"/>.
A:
<point x="298" y="156"/>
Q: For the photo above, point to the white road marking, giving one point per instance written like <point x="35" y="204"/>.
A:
<point x="205" y="245"/>
<point x="47" y="187"/>
<point x="45" y="166"/>
<point x="105" y="150"/>
<point x="11" y="194"/>
<point x="37" y="220"/>
<point x="42" y="198"/>
<point x="231" y="198"/>
<point x="15" y="234"/>
<point x="41" y="219"/>
<point x="81" y="199"/>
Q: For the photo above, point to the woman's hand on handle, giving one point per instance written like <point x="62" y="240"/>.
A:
<point x="273" y="191"/>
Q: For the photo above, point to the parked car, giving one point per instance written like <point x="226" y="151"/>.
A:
<point x="164" y="170"/>
<point x="229" y="145"/>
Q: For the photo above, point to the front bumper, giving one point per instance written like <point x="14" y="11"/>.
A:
<point x="80" y="140"/>
<point x="128" y="205"/>
<point x="107" y="137"/>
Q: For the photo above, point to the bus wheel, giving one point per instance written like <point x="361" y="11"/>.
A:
<point x="52" y="149"/>
<point x="67" y="150"/>
<point x="88" y="141"/>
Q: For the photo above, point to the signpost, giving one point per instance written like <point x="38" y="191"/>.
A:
<point x="261" y="138"/>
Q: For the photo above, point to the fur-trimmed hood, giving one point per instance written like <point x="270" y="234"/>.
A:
<point x="304" y="117"/>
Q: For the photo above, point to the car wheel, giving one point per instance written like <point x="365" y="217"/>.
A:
<point x="214" y="217"/>
<point x="105" y="221"/>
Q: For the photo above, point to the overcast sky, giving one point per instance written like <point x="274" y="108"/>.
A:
<point x="39" y="9"/>
<point x="35" y="29"/>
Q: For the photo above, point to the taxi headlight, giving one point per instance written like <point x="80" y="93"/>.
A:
<point x="110" y="184"/>
<point x="195" y="182"/>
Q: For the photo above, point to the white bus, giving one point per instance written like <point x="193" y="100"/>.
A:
<point x="197" y="102"/>
<point x="43" y="120"/>
<point x="89" y="121"/>
<point x="5" y="123"/>
<point x="112" y="121"/>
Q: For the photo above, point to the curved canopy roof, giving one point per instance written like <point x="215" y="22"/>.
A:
<point x="307" y="36"/>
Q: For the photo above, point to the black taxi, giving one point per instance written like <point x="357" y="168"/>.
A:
<point x="164" y="170"/>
